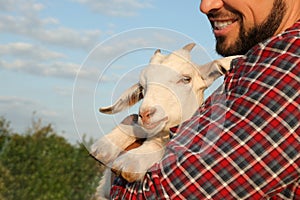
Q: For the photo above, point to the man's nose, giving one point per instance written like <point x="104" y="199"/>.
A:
<point x="206" y="6"/>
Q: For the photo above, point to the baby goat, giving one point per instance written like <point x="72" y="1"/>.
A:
<point x="172" y="88"/>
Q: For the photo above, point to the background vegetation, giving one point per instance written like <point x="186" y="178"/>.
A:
<point x="40" y="165"/>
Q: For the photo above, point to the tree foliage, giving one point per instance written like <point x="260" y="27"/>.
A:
<point x="40" y="165"/>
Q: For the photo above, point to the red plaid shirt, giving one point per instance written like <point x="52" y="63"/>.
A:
<point x="244" y="142"/>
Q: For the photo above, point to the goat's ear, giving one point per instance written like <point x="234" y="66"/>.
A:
<point x="130" y="97"/>
<point x="213" y="70"/>
<point x="189" y="47"/>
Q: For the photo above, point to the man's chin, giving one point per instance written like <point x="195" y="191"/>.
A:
<point x="221" y="46"/>
<point x="225" y="49"/>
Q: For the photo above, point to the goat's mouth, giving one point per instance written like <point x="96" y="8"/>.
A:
<point x="153" y="126"/>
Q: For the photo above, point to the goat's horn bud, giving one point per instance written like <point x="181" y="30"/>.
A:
<point x="189" y="47"/>
<point x="157" y="51"/>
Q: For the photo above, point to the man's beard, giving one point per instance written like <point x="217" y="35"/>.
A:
<point x="247" y="39"/>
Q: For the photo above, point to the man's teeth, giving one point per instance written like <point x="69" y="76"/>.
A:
<point x="222" y="24"/>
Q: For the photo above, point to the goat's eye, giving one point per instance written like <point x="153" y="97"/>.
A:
<point x="186" y="79"/>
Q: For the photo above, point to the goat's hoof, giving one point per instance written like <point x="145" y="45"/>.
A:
<point x="130" y="167"/>
<point x="105" y="151"/>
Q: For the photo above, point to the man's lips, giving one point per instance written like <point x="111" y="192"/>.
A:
<point x="222" y="27"/>
<point x="219" y="25"/>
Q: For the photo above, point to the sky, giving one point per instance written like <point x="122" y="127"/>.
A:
<point x="61" y="60"/>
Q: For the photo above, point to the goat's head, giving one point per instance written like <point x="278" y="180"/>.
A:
<point x="172" y="88"/>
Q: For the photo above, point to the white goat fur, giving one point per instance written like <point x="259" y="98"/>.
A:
<point x="173" y="88"/>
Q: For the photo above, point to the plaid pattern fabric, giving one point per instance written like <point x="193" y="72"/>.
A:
<point x="244" y="142"/>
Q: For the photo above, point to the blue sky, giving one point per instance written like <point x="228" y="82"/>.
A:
<point x="62" y="59"/>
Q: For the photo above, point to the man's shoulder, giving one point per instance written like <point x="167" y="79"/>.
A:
<point x="294" y="30"/>
<point x="279" y="52"/>
<point x="285" y="40"/>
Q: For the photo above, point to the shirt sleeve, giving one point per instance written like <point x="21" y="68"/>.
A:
<point x="243" y="142"/>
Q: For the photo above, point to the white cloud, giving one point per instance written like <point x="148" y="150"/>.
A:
<point x="28" y="51"/>
<point x="59" y="36"/>
<point x="53" y="69"/>
<point x="57" y="69"/>
<point x="23" y="18"/>
<point x="67" y="37"/>
<point x="13" y="102"/>
<point x="45" y="39"/>
<point x="22" y="5"/>
<point x="116" y="8"/>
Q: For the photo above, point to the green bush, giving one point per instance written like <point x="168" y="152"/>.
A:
<point x="40" y="165"/>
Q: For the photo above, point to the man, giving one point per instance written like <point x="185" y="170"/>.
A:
<point x="244" y="143"/>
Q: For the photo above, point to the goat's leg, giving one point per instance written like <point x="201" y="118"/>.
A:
<point x="103" y="190"/>
<point x="134" y="164"/>
<point x="108" y="147"/>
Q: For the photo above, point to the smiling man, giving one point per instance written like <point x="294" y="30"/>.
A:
<point x="244" y="142"/>
<point x="239" y="25"/>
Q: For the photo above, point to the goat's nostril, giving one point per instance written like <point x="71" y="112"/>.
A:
<point x="146" y="114"/>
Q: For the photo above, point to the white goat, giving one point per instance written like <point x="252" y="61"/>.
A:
<point x="172" y="88"/>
